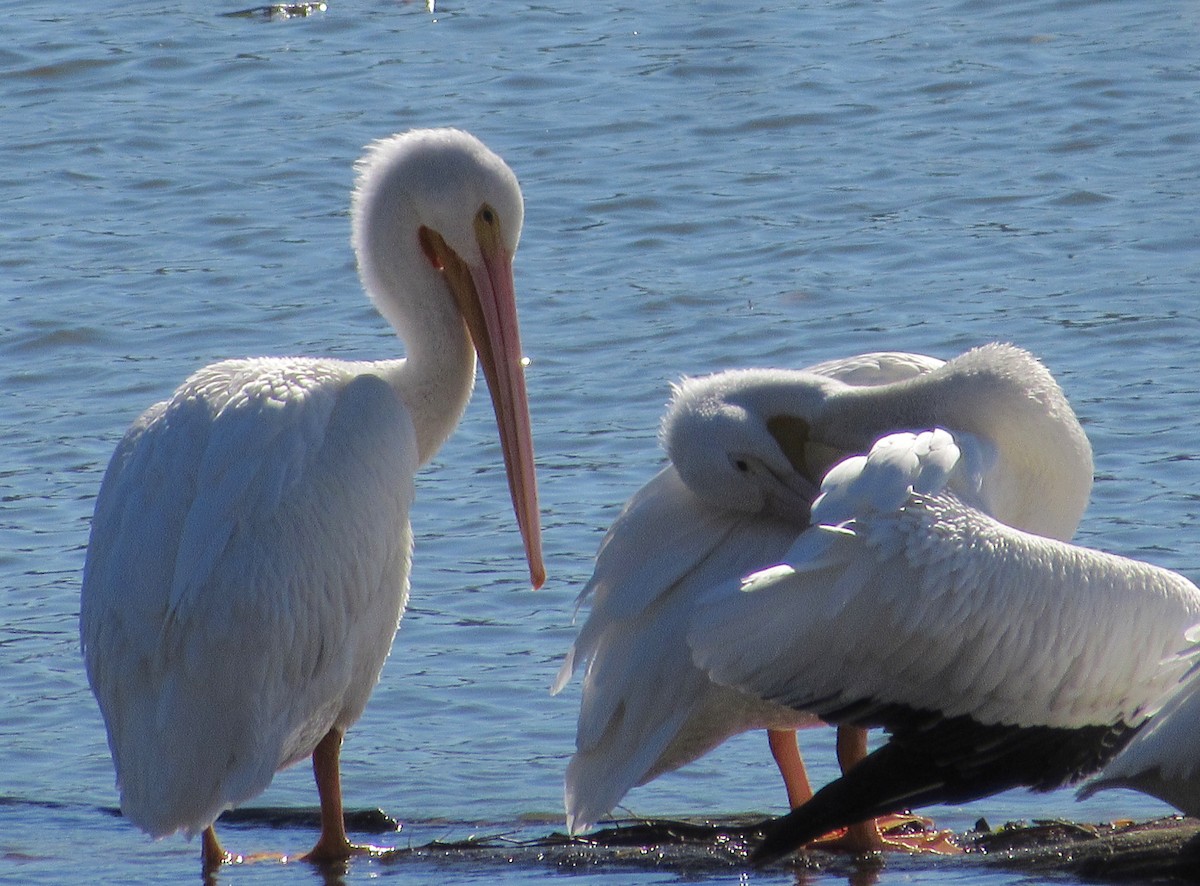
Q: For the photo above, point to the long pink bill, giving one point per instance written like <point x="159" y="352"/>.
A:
<point x="499" y="346"/>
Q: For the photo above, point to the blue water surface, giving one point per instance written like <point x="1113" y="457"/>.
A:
<point x="708" y="185"/>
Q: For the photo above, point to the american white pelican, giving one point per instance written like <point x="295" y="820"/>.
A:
<point x="249" y="553"/>
<point x="748" y="449"/>
<point x="1163" y="759"/>
<point x="995" y="658"/>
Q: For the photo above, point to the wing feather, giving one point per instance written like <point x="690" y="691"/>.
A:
<point x="261" y="441"/>
<point x="1162" y="759"/>
<point x="877" y="368"/>
<point x="658" y="538"/>
<point x="645" y="708"/>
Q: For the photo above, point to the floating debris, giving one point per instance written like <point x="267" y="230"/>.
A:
<point x="360" y="821"/>
<point x="279" y="10"/>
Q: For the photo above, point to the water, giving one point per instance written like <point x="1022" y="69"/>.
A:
<point x="708" y="185"/>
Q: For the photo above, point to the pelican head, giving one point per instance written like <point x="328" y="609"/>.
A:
<point x="735" y="449"/>
<point x="435" y="213"/>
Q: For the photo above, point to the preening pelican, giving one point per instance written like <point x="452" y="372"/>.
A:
<point x="996" y="658"/>
<point x="747" y="452"/>
<point x="249" y="552"/>
<point x="1163" y="759"/>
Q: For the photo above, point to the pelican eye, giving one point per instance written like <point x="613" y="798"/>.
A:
<point x="741" y="464"/>
<point x="487" y="215"/>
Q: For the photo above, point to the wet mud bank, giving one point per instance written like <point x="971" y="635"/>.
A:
<point x="1161" y="850"/>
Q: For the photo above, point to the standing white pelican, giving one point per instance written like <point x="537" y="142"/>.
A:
<point x="1163" y="759"/>
<point x="995" y="658"/>
<point x="748" y="449"/>
<point x="250" y="548"/>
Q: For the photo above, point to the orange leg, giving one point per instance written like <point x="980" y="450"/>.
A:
<point x="851" y="749"/>
<point x="212" y="856"/>
<point x="873" y="835"/>
<point x="333" y="844"/>
<point x="785" y="748"/>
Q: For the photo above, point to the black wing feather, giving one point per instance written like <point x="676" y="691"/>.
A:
<point x="931" y="759"/>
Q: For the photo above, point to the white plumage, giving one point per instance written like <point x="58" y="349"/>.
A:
<point x="996" y="658"/>
<point x="748" y="449"/>
<point x="249" y="554"/>
<point x="1163" y="759"/>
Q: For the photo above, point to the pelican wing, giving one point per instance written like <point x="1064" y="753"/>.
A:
<point x="876" y="368"/>
<point x="161" y="650"/>
<point x="1163" y="759"/>
<point x="631" y="573"/>
<point x="630" y="570"/>
<point x="902" y="594"/>
<point x="980" y="647"/>
<point x="645" y="707"/>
